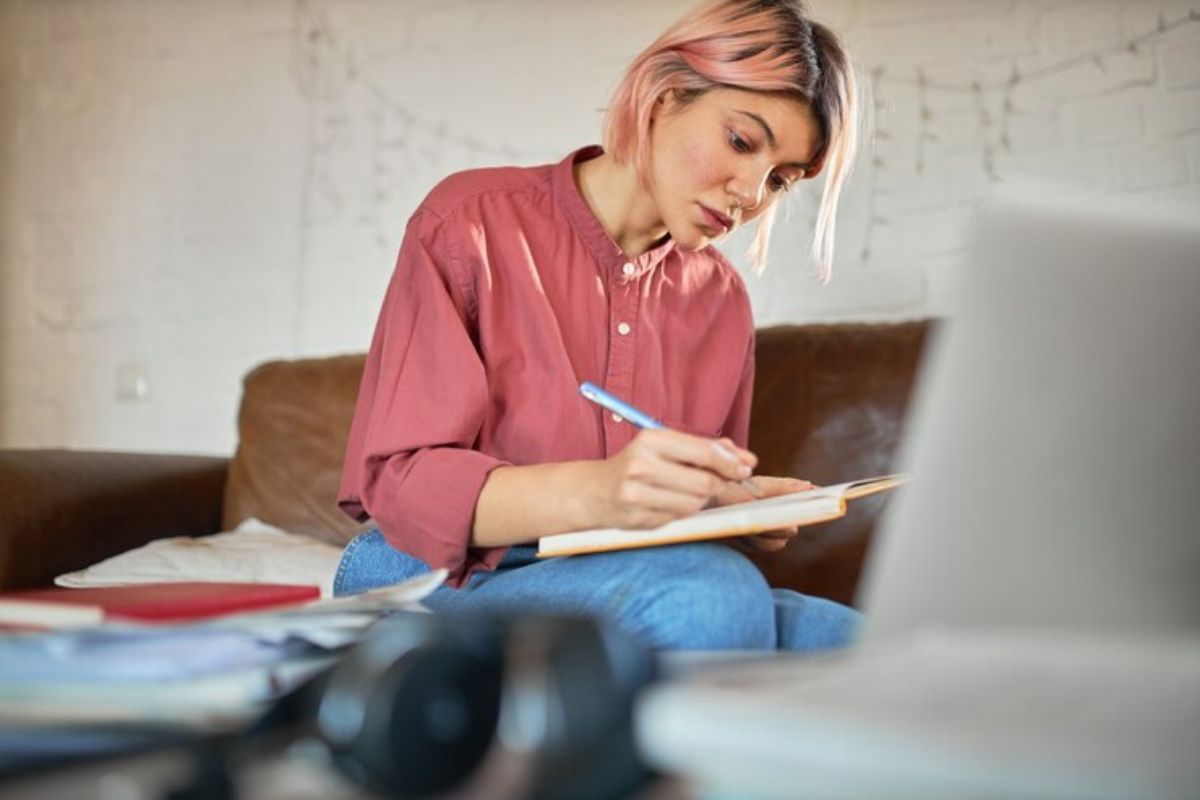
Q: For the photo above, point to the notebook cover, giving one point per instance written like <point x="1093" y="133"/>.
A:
<point x="170" y="602"/>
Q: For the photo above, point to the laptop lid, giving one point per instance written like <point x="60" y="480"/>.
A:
<point x="1055" y="442"/>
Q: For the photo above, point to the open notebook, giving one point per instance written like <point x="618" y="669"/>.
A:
<point x="756" y="516"/>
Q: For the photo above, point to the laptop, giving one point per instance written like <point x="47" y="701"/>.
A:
<point x="1033" y="594"/>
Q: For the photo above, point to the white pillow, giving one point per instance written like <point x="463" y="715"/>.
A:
<point x="254" y="552"/>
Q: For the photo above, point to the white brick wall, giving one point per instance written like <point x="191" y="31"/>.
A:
<point x="188" y="189"/>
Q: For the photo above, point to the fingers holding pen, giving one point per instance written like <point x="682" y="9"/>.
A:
<point x="644" y="505"/>
<point x="648" y="457"/>
<point x="722" y="457"/>
<point x="664" y="474"/>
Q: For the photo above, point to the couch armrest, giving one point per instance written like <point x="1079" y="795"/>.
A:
<point x="66" y="509"/>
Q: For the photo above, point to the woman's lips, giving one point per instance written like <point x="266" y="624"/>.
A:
<point x="716" y="220"/>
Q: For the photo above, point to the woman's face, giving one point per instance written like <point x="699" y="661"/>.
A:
<point x="720" y="160"/>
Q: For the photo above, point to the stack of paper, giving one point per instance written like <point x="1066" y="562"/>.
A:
<point x="213" y="674"/>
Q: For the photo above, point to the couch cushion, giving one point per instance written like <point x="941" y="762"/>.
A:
<point x="292" y="429"/>
<point x="64" y="509"/>
<point x="829" y="406"/>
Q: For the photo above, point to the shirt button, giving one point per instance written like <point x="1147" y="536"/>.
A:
<point x="623" y="329"/>
<point x="628" y="269"/>
<point x="617" y="418"/>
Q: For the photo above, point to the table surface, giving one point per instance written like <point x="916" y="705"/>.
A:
<point x="293" y="773"/>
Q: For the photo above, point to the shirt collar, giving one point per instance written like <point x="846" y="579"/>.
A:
<point x="602" y="246"/>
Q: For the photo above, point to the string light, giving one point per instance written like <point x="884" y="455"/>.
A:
<point x="995" y="136"/>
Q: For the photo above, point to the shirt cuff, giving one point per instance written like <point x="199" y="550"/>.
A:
<point x="432" y="513"/>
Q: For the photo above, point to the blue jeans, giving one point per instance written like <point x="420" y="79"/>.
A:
<point x="698" y="596"/>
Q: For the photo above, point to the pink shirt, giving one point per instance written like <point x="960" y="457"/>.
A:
<point x="507" y="295"/>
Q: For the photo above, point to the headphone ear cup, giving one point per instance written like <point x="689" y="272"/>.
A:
<point x="569" y="693"/>
<point x="413" y="709"/>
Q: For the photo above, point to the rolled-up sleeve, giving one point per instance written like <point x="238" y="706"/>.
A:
<point x="410" y="462"/>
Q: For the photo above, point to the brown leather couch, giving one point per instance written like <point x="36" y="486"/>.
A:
<point x="829" y="406"/>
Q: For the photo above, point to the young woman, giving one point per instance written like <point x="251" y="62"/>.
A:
<point x="470" y="439"/>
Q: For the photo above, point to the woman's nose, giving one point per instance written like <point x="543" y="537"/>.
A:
<point x="745" y="197"/>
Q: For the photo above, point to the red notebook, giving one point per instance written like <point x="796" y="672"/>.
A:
<point x="157" y="602"/>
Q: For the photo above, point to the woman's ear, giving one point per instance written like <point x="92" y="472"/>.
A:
<point x="661" y="103"/>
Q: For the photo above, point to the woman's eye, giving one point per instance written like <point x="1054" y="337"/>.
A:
<point x="778" y="183"/>
<point x="738" y="143"/>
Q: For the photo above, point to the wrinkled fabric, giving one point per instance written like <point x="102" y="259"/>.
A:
<point x="694" y="596"/>
<point x="507" y="294"/>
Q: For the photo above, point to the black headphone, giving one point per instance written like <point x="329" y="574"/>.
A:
<point x="427" y="702"/>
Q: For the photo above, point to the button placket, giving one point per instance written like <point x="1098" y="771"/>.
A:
<point x="618" y="379"/>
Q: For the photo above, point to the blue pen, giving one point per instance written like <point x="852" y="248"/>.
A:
<point x="643" y="420"/>
<point x="602" y="398"/>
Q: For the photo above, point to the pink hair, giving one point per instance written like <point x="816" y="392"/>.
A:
<point x="758" y="45"/>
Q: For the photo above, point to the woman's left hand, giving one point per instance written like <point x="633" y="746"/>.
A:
<point x="768" y="541"/>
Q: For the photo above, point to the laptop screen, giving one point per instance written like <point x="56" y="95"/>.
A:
<point x="1054" y="451"/>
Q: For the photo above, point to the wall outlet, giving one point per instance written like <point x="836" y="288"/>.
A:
<point x="132" y="382"/>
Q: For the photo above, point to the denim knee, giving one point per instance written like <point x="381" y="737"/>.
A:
<point x="369" y="562"/>
<point x="702" y="596"/>
<point x="809" y="624"/>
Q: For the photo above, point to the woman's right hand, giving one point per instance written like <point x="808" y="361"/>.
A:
<point x="662" y="475"/>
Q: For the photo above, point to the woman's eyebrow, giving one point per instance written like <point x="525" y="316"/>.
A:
<point x="762" y="123"/>
<point x="770" y="134"/>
